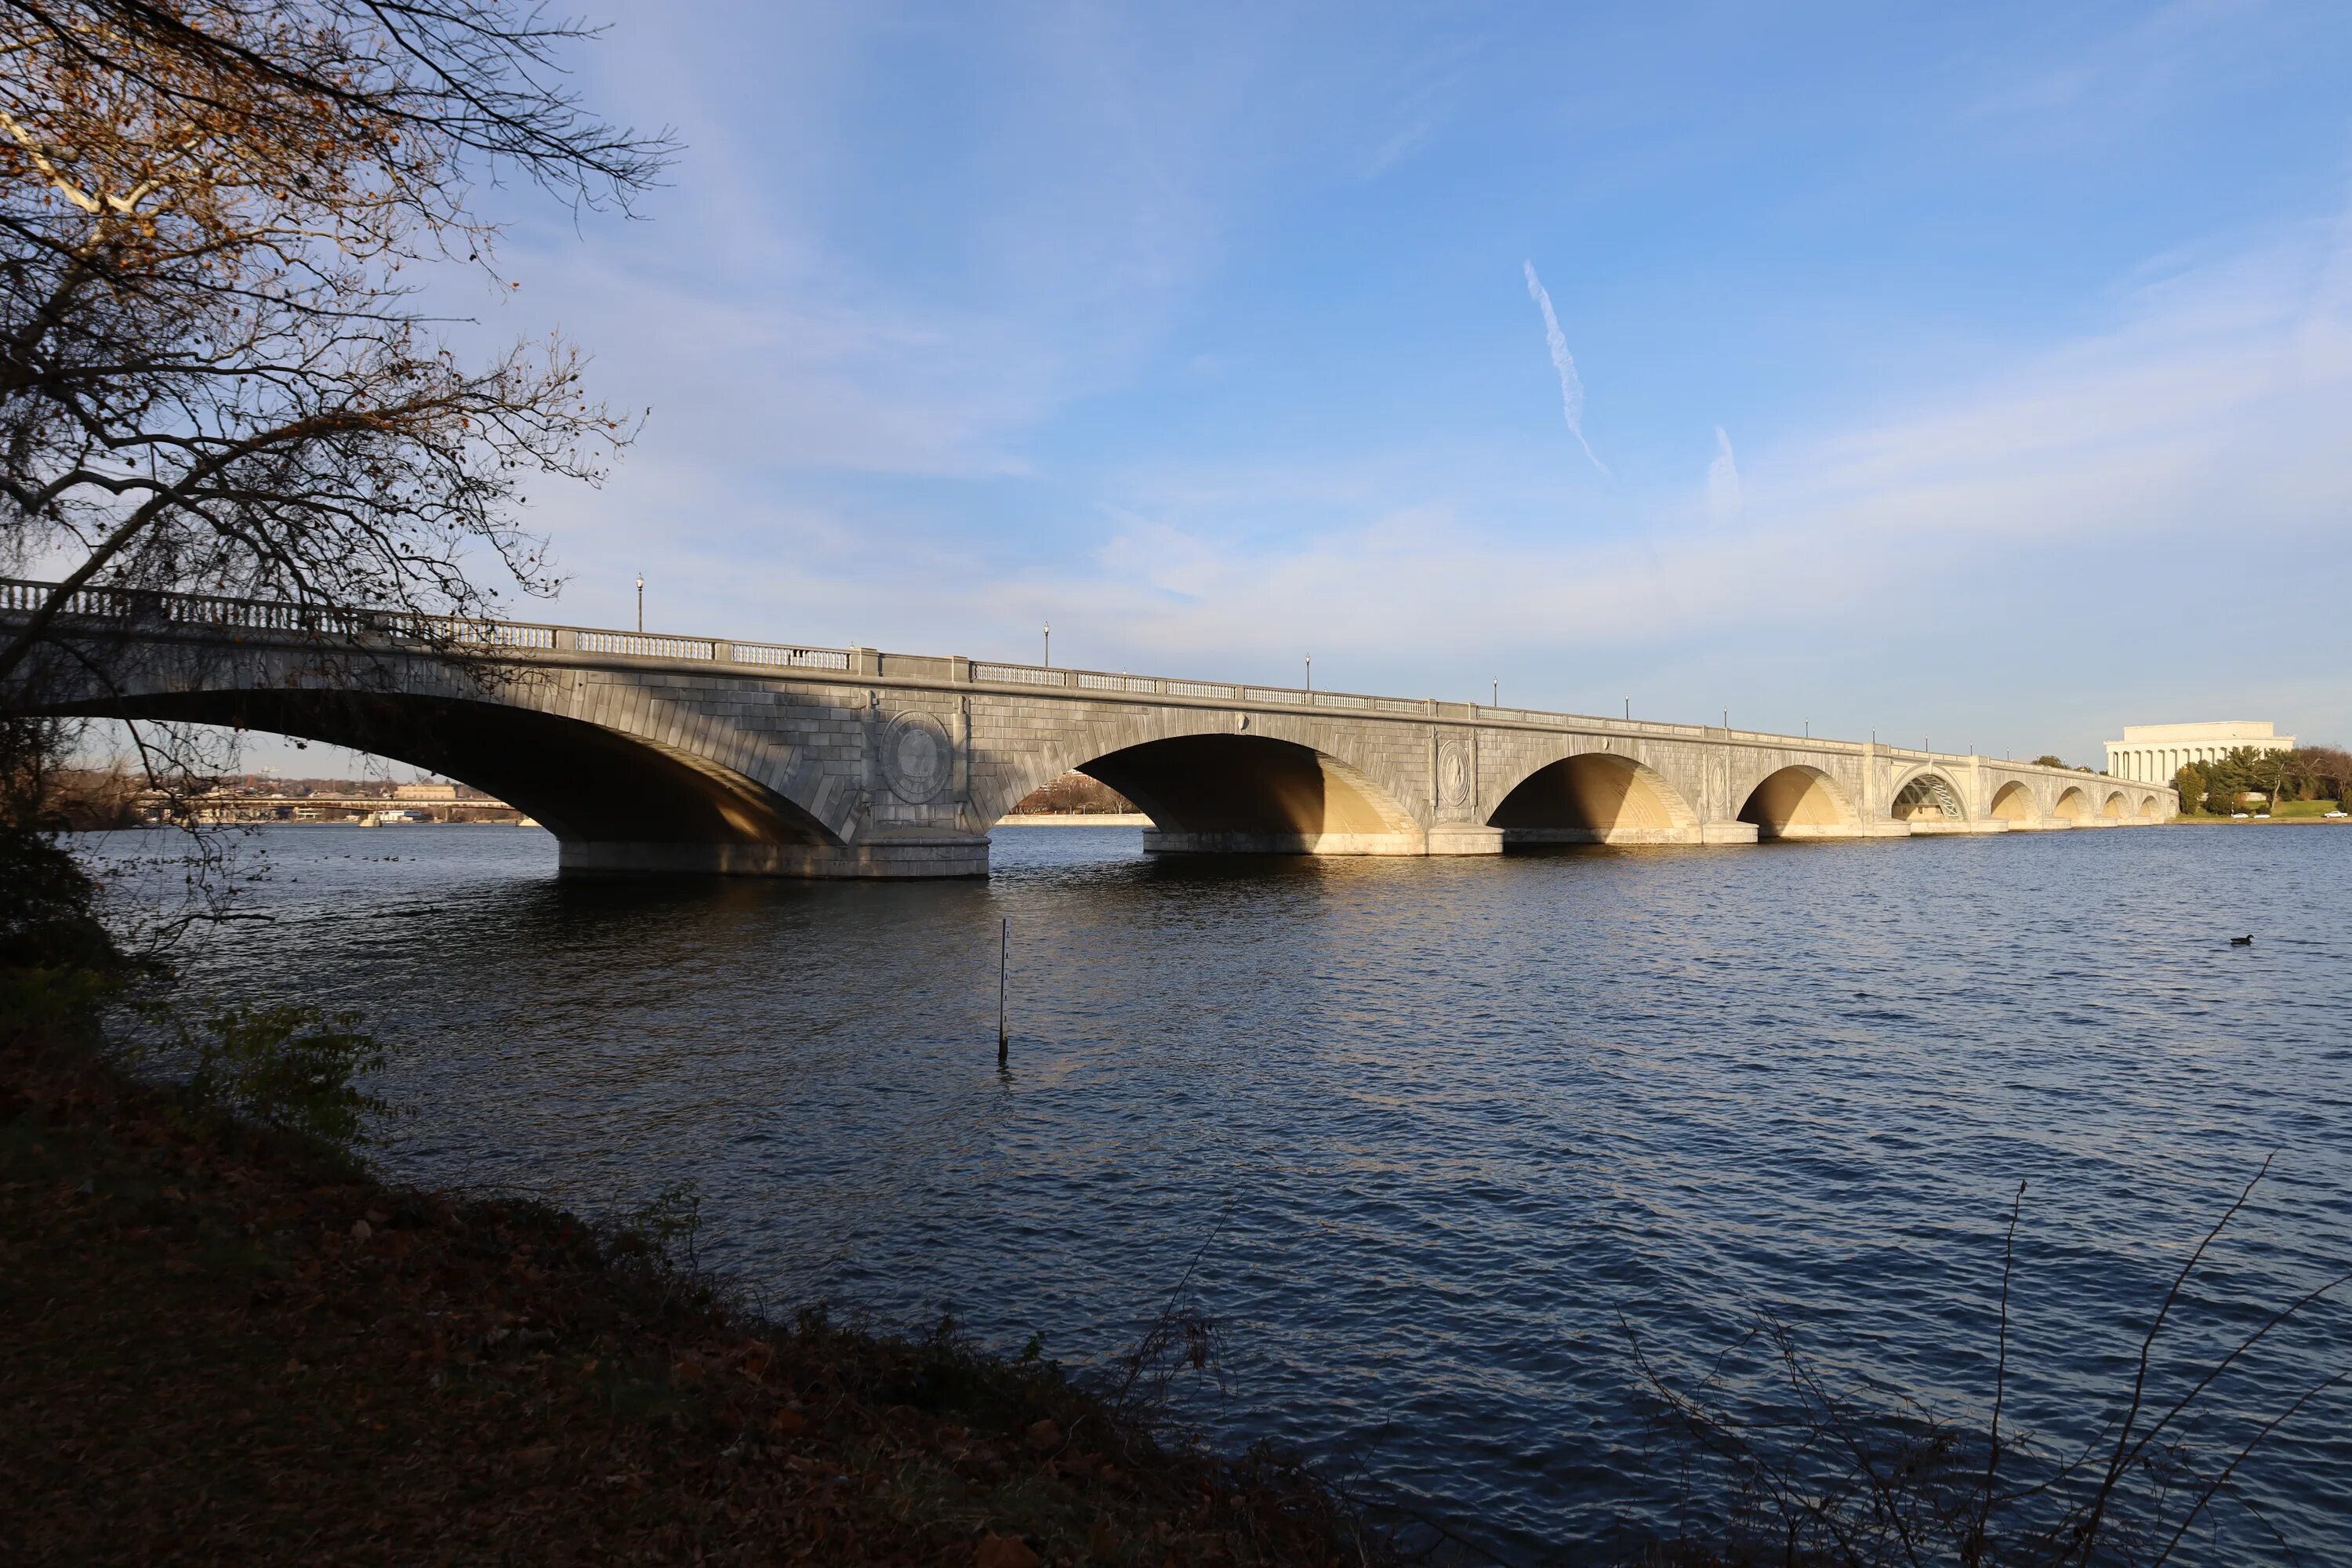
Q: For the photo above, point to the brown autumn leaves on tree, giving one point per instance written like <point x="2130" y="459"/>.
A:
<point x="215" y="375"/>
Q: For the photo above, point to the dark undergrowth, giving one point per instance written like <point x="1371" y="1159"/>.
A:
<point x="222" y="1341"/>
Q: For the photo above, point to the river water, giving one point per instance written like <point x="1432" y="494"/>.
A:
<point x="1437" y="1131"/>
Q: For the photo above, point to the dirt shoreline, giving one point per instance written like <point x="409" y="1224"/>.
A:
<point x="223" y="1348"/>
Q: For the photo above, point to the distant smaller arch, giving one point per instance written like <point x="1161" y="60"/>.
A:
<point x="2014" y="802"/>
<point x="2116" y="808"/>
<point x="1798" y="802"/>
<point x="1929" y="797"/>
<point x="2150" y="809"/>
<point x="2072" y="805"/>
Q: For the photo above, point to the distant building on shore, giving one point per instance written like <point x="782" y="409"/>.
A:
<point x="425" y="791"/>
<point x="2152" y="753"/>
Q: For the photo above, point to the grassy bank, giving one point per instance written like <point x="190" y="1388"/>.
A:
<point x="2289" y="810"/>
<point x="219" y="1344"/>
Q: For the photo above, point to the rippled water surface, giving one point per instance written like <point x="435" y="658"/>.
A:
<point x="1432" y="1126"/>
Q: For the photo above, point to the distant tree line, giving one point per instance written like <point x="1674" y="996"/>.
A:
<point x="1075" y="794"/>
<point x="2307" y="773"/>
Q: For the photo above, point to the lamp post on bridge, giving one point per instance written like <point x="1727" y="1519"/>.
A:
<point x="1310" y="672"/>
<point x="1049" y="645"/>
<point x="641" y="601"/>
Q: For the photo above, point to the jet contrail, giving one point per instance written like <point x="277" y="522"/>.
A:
<point x="1723" y="480"/>
<point x="1572" y="389"/>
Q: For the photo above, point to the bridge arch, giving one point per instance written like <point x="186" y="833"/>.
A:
<point x="624" y="776"/>
<point x="1595" y="797"/>
<point x="2116" y="808"/>
<point x="2151" y="808"/>
<point x="1214" y="781"/>
<point x="1928" y="795"/>
<point x="2072" y="805"/>
<point x="583" y="782"/>
<point x="1253" y="793"/>
<point x="2014" y="802"/>
<point x="1799" y="802"/>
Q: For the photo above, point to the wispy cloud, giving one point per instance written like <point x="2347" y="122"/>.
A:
<point x="2112" y="82"/>
<point x="1572" y="387"/>
<point x="1723" y="498"/>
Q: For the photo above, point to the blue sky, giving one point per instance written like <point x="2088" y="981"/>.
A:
<point x="1979" y="374"/>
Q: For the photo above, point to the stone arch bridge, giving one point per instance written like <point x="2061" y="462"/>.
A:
<point x="646" y="752"/>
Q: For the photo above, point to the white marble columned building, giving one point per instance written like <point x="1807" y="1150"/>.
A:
<point x="2152" y="753"/>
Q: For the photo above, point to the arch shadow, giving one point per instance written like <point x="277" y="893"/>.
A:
<point x="1595" y="797"/>
<point x="2014" y="802"/>
<point x="2072" y="805"/>
<point x="1799" y="802"/>
<point x="1243" y="793"/>
<point x="586" y="783"/>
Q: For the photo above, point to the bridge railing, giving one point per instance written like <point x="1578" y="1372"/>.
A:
<point x="217" y="610"/>
<point x="637" y="645"/>
<point x="20" y="596"/>
<point x="184" y="609"/>
<point x="1035" y="675"/>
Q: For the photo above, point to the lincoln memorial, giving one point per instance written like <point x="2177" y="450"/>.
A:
<point x="2154" y="752"/>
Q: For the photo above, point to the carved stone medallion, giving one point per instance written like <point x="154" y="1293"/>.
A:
<point x="917" y="756"/>
<point x="1454" y="774"/>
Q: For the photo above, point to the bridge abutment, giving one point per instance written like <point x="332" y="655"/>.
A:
<point x="1465" y="838"/>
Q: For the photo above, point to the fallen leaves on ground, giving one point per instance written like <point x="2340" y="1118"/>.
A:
<point x="219" y="1348"/>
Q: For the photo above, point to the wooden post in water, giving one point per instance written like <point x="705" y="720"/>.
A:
<point x="1003" y="951"/>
